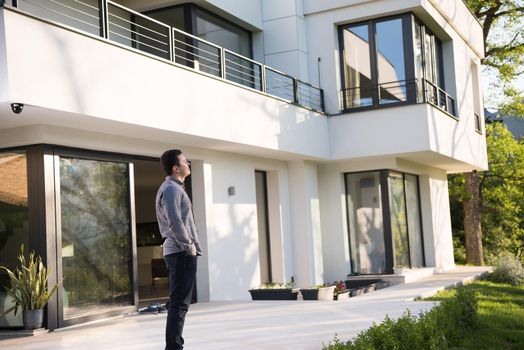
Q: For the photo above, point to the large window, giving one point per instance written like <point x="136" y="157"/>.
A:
<point x="391" y="61"/>
<point x="13" y="223"/>
<point x="95" y="236"/>
<point x="205" y="25"/>
<point x="384" y="221"/>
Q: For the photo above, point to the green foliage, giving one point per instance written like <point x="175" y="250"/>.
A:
<point x="503" y="28"/>
<point x="502" y="198"/>
<point x="443" y="326"/>
<point x="275" y="285"/>
<point x="500" y="317"/>
<point x="28" y="283"/>
<point x="508" y="270"/>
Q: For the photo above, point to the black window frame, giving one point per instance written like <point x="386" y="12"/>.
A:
<point x="190" y="16"/>
<point x="389" y="246"/>
<point x="409" y="21"/>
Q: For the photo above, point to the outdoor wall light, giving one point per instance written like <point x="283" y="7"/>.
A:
<point x="17" y="107"/>
<point x="231" y="190"/>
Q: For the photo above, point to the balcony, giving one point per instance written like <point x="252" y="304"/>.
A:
<point x="395" y="93"/>
<point x="126" y="27"/>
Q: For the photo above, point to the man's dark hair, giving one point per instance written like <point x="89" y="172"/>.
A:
<point x="169" y="159"/>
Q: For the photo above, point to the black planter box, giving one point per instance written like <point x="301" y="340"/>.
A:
<point x="350" y="284"/>
<point x="274" y="294"/>
<point x="324" y="293"/>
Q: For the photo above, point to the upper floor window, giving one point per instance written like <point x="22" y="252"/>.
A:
<point x="389" y="61"/>
<point x="206" y="25"/>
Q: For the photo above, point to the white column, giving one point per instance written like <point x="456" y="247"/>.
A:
<point x="436" y="221"/>
<point x="285" y="42"/>
<point x="305" y="213"/>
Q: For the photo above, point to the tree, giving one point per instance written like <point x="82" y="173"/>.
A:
<point x="500" y="201"/>
<point x="503" y="31"/>
<point x="503" y="57"/>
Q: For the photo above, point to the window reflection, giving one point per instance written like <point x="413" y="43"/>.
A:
<point x="357" y="67"/>
<point x="96" y="250"/>
<point x="390" y="61"/>
<point x="13" y="223"/>
<point x="366" y="231"/>
<point x="399" y="225"/>
<point x="414" y="221"/>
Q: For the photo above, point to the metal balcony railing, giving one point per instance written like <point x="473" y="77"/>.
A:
<point x="124" y="26"/>
<point x="396" y="92"/>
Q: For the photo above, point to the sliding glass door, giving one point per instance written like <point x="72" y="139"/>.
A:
<point x="96" y="254"/>
<point x="14" y="219"/>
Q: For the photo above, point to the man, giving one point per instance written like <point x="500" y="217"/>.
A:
<point x="181" y="246"/>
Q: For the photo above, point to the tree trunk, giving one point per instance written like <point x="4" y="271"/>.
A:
<point x="472" y="226"/>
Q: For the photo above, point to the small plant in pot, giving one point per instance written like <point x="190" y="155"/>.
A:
<point x="29" y="289"/>
<point x="274" y="291"/>
<point x="320" y="292"/>
<point x="341" y="292"/>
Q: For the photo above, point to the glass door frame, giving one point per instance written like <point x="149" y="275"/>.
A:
<point x="96" y="156"/>
<point x="389" y="246"/>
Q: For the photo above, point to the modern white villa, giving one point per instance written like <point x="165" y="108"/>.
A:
<point x="320" y="133"/>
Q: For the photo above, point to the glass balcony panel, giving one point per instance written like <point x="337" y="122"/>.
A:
<point x="279" y="84"/>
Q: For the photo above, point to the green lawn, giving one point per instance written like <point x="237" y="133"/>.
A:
<point x="500" y="316"/>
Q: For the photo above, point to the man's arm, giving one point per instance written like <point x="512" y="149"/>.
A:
<point x="171" y="201"/>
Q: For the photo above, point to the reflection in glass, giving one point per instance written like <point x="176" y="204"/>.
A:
<point x="96" y="251"/>
<point x="366" y="231"/>
<point x="419" y="64"/>
<point x="357" y="67"/>
<point x="413" y="212"/>
<point x="399" y="228"/>
<point x="13" y="223"/>
<point x="390" y="61"/>
<point x="221" y="33"/>
<point x="429" y="58"/>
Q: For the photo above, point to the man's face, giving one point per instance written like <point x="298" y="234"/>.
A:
<point x="182" y="169"/>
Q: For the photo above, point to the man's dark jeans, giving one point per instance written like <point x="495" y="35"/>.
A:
<point x="182" y="273"/>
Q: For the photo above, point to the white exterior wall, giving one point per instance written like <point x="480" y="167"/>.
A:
<point x="285" y="42"/>
<point x="232" y="231"/>
<point x="104" y="83"/>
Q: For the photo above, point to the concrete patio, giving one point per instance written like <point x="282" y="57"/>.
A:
<point x="254" y="325"/>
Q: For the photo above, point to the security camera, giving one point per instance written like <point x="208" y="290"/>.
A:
<point x="17" y="107"/>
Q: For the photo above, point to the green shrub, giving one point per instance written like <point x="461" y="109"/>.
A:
<point x="439" y="328"/>
<point x="508" y="269"/>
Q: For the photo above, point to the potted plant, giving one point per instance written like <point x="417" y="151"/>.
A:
<point x="29" y="289"/>
<point x="341" y="292"/>
<point x="274" y="291"/>
<point x="320" y="292"/>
